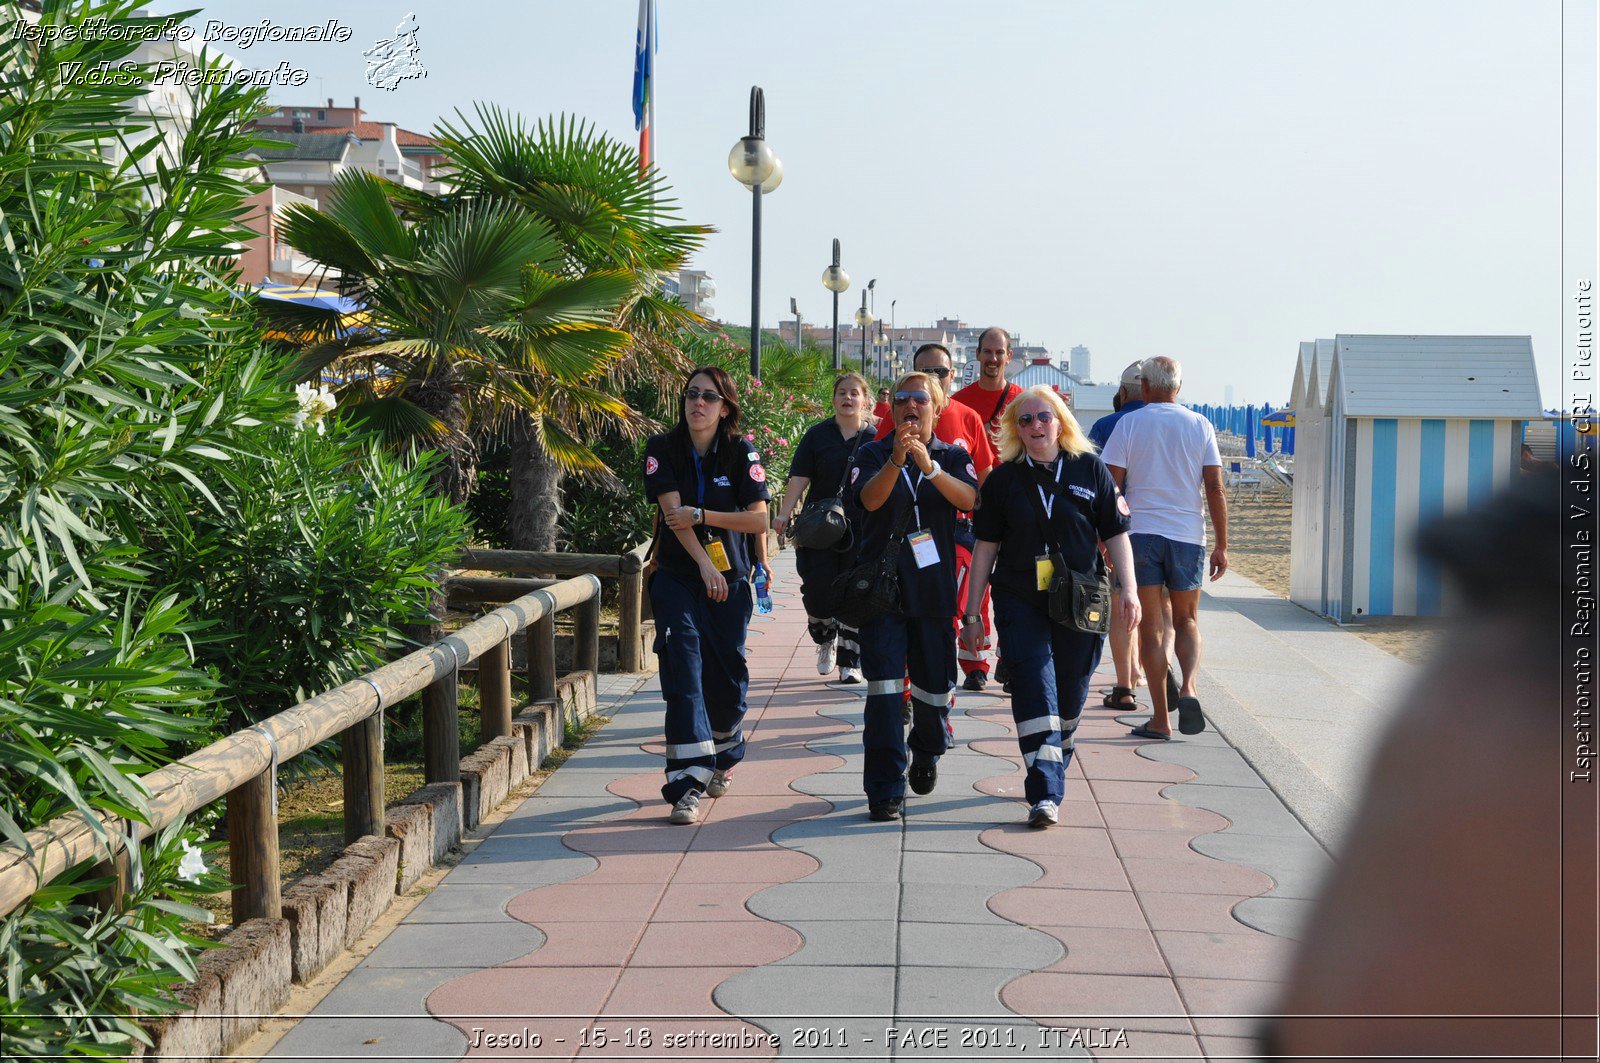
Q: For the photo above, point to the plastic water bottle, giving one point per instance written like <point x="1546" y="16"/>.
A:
<point x="763" y="595"/>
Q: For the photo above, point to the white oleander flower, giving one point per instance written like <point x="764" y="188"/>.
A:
<point x="315" y="404"/>
<point x="193" y="865"/>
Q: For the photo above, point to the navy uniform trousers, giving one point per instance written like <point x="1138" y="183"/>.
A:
<point x="704" y="679"/>
<point x="892" y="648"/>
<point x="1050" y="671"/>
<point x="818" y="569"/>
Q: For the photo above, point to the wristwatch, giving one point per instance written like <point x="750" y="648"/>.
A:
<point x="935" y="474"/>
<point x="970" y="618"/>
<point x="699" y="515"/>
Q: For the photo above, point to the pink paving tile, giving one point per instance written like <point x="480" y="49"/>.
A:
<point x="751" y="944"/>
<point x="1107" y="950"/>
<point x="747" y="808"/>
<point x="1228" y="1007"/>
<point x="1081" y="872"/>
<point x="1156" y="844"/>
<point x="580" y="901"/>
<point x="1168" y="815"/>
<point x="634" y="867"/>
<point x="1070" y="999"/>
<point x="1030" y="905"/>
<point x="751" y="866"/>
<point x="708" y="901"/>
<point x="1194" y="876"/>
<point x="1204" y="912"/>
<point x="519" y="991"/>
<point x="1106" y="761"/>
<point x="584" y="944"/>
<point x="645" y="832"/>
<point x="1122" y="792"/>
<point x="1022" y="840"/>
<point x="681" y="991"/>
<point x="1246" y="954"/>
<point x="645" y="789"/>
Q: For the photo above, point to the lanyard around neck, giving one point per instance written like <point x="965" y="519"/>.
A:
<point x="699" y="469"/>
<point x="916" y="509"/>
<point x="1049" y="502"/>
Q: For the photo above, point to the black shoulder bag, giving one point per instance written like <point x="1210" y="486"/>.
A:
<point x="822" y="523"/>
<point x="1078" y="601"/>
<point x="871" y="589"/>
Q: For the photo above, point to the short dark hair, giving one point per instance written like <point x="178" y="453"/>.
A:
<point x="941" y="348"/>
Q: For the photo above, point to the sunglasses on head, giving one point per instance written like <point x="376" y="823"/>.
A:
<point x="690" y="394"/>
<point x="1043" y="417"/>
<point x="921" y="398"/>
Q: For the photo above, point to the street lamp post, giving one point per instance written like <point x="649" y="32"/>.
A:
<point x="863" y="319"/>
<point x="835" y="280"/>
<point x="794" y="308"/>
<point x="754" y="165"/>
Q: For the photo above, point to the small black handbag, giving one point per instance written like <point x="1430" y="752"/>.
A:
<point x="871" y="589"/>
<point x="1078" y="601"/>
<point x="822" y="523"/>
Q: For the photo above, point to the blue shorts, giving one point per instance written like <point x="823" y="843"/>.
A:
<point x="1162" y="562"/>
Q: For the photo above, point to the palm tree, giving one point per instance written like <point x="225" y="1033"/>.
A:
<point x="472" y="317"/>
<point x="609" y="218"/>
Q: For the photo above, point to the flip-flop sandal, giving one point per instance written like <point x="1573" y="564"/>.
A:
<point x="1191" y="721"/>
<point x="1143" y="731"/>
<point x="1113" y="699"/>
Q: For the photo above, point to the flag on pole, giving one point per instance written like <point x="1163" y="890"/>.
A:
<point x="644" y="77"/>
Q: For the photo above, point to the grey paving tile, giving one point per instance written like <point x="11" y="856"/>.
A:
<point x="938" y="902"/>
<point x="844" y="943"/>
<point x="1297" y="865"/>
<point x="432" y="945"/>
<point x="1215" y="765"/>
<point x="975" y="945"/>
<point x="824" y="900"/>
<point x="935" y="836"/>
<point x="1284" y="917"/>
<point x="1248" y="809"/>
<point x="319" y="1038"/>
<point x="993" y="869"/>
<point x="451" y="902"/>
<point x="948" y="996"/>
<point x="783" y="998"/>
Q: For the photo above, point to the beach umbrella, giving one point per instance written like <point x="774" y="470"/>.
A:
<point x="1266" y="438"/>
<point x="1280" y="418"/>
<point x="1250" y="431"/>
<point x="1288" y="440"/>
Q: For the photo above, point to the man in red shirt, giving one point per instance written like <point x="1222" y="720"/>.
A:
<point x="988" y="397"/>
<point x="881" y="410"/>
<point x="960" y="426"/>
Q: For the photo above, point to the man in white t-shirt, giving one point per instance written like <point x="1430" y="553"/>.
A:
<point x="1165" y="459"/>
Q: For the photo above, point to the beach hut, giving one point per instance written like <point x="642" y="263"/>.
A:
<point x="1391" y="431"/>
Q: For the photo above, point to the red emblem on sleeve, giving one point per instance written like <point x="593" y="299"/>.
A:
<point x="959" y="442"/>
<point x="855" y="473"/>
<point x="651" y="465"/>
<point x="757" y="473"/>
<point x="1122" y="506"/>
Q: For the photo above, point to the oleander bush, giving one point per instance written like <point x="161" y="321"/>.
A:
<point x="183" y="542"/>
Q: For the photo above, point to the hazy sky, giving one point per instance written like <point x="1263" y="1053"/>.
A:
<point x="1216" y="181"/>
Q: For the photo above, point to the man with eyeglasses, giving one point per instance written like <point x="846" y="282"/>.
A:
<point x="959" y="426"/>
<point x="988" y="397"/>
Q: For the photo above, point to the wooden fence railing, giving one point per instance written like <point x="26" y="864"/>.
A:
<point x="243" y="766"/>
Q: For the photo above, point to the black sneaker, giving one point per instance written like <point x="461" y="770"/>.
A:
<point x="975" y="681"/>
<point x="924" y="773"/>
<point x="884" y="810"/>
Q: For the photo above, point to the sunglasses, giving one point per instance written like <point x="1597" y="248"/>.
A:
<point x="1043" y="417"/>
<point x="939" y="371"/>
<point x="711" y="397"/>
<point x="921" y="398"/>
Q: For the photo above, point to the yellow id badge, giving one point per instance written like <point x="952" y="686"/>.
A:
<point x="1043" y="569"/>
<point x="719" y="555"/>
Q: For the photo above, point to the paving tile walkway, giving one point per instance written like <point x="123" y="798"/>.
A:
<point x="1161" y="909"/>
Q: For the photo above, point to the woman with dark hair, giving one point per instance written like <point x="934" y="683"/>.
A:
<point x="817" y="471"/>
<point x="1050" y="500"/>
<point x="911" y="486"/>
<point x="712" y="490"/>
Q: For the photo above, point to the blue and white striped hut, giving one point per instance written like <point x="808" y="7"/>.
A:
<point x="1391" y="431"/>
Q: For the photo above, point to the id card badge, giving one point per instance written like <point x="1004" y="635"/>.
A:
<point x="1043" y="569"/>
<point x="719" y="555"/>
<point x="924" y="549"/>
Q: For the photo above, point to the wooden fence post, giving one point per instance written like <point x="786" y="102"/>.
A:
<point x="630" y="602"/>
<point x="494" y="690"/>
<point x="361" y="749"/>
<point x="253" y="849"/>
<point x="586" y="636"/>
<point x="542" y="658"/>
<point x="441" y="731"/>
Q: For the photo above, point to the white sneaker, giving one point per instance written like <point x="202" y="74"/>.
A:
<point x="848" y="675"/>
<point x="825" y="657"/>
<point x="719" y="783"/>
<point x="687" y="810"/>
<point x="1042" y="814"/>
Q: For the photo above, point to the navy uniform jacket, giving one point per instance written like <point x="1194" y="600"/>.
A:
<point x="1088" y="509"/>
<point x="927" y="591"/>
<point x="822" y="457"/>
<point x="732" y="477"/>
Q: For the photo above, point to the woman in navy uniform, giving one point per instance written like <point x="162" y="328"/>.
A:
<point x="913" y="481"/>
<point x="1050" y="493"/>
<point x="818" y="468"/>
<point x="712" y="490"/>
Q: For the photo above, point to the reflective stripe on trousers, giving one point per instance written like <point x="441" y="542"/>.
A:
<point x="847" y="644"/>
<point x="892" y="648"/>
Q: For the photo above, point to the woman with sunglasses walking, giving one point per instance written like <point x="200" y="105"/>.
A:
<point x="712" y="490"/>
<point x="911" y="486"/>
<point x="817" y="471"/>
<point x="1050" y="502"/>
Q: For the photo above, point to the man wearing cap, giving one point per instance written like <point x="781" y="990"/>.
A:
<point x="1125" y="643"/>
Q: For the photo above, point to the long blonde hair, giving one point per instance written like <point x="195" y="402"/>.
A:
<point x="1070" y="436"/>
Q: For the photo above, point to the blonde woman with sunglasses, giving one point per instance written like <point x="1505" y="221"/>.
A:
<point x="911" y="485"/>
<point x="1051" y="497"/>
